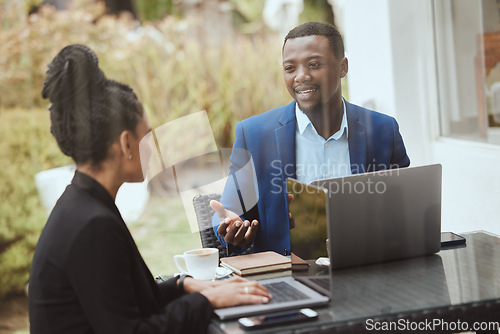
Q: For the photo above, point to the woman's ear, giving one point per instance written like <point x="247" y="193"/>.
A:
<point x="125" y="143"/>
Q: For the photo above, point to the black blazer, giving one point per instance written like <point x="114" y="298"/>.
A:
<point x="88" y="276"/>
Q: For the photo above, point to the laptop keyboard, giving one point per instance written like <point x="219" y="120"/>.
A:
<point x="283" y="292"/>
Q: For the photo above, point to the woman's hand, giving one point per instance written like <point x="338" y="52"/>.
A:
<point x="193" y="285"/>
<point x="236" y="291"/>
<point x="229" y="292"/>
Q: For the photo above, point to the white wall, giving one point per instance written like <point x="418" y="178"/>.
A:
<point x="390" y="45"/>
<point x="368" y="50"/>
<point x="471" y="185"/>
<point x="385" y="66"/>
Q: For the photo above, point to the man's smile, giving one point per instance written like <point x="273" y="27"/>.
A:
<point x="305" y="92"/>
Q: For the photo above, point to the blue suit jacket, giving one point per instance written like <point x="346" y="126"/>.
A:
<point x="269" y="141"/>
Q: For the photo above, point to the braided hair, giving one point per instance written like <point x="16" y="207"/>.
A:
<point x="88" y="111"/>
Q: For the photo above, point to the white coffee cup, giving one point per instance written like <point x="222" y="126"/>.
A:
<point x="201" y="263"/>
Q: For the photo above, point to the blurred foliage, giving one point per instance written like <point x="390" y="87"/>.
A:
<point x="316" y="10"/>
<point x="247" y="15"/>
<point x="173" y="71"/>
<point x="27" y="147"/>
<point x="152" y="10"/>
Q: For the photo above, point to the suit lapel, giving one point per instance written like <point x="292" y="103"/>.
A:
<point x="357" y="140"/>
<point x="285" y="141"/>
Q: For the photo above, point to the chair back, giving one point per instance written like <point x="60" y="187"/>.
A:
<point x="204" y="215"/>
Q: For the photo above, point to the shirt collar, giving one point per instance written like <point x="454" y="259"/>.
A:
<point x="303" y="122"/>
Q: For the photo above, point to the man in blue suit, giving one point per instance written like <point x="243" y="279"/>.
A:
<point x="318" y="135"/>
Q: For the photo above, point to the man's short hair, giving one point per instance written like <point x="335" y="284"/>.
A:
<point x="319" y="29"/>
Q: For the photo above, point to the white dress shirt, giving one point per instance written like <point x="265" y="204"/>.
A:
<point x="317" y="158"/>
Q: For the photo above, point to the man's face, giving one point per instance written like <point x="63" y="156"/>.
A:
<point x="312" y="73"/>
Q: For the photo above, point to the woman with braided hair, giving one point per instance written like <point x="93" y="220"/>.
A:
<point x="87" y="274"/>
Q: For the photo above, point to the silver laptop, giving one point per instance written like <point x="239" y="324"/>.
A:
<point x="376" y="217"/>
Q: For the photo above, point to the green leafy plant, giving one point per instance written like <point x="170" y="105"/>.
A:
<point x="173" y="71"/>
<point x="27" y="147"/>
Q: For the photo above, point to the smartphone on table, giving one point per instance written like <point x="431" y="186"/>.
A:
<point x="278" y="318"/>
<point x="451" y="239"/>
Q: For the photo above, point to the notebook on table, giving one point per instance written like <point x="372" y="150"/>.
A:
<point x="256" y="263"/>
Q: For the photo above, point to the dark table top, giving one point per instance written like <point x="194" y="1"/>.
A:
<point x="458" y="283"/>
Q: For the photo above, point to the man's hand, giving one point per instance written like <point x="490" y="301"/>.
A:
<point x="234" y="231"/>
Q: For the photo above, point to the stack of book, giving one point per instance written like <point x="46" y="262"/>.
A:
<point x="298" y="263"/>
<point x="256" y="263"/>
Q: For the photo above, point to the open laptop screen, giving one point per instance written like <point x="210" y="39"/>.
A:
<point x="383" y="216"/>
<point x="308" y="231"/>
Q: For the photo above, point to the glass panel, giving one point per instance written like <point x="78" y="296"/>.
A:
<point x="467" y="36"/>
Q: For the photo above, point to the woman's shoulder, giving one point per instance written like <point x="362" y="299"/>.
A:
<point x="81" y="207"/>
<point x="78" y="215"/>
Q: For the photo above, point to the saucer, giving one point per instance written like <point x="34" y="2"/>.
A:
<point x="323" y="261"/>
<point x="223" y="272"/>
<point x="220" y="273"/>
